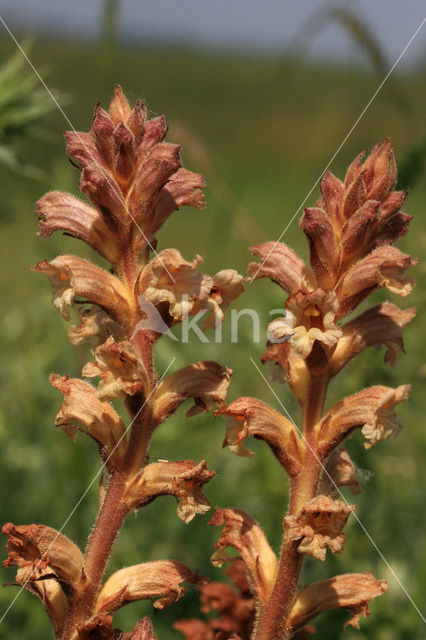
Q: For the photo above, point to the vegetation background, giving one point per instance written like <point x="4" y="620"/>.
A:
<point x="261" y="131"/>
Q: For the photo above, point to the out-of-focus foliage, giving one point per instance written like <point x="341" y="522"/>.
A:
<point x="24" y="104"/>
<point x="262" y="132"/>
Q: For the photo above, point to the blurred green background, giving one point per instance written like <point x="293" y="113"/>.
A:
<point x="261" y="131"/>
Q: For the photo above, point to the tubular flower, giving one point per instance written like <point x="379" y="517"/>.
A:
<point x="183" y="479"/>
<point x="206" y="382"/>
<point x="309" y="317"/>
<point x="379" y="326"/>
<point x="371" y="409"/>
<point x="319" y="525"/>
<point x="339" y="471"/>
<point x="250" y="417"/>
<point x="161" y="579"/>
<point x="83" y="411"/>
<point x="243" y="533"/>
<point x="352" y="591"/>
<point x="118" y="368"/>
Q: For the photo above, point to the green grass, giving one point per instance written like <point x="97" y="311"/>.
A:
<point x="266" y="129"/>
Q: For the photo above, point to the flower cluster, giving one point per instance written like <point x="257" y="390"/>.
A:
<point x="134" y="181"/>
<point x="350" y="232"/>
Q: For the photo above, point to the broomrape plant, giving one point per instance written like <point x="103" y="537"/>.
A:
<point x="134" y="181"/>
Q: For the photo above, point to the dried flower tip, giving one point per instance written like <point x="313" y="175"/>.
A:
<point x="183" y="479"/>
<point x="351" y="591"/>
<point x="318" y="525"/>
<point x="161" y="579"/>
<point x="206" y="382"/>
<point x="243" y="533"/>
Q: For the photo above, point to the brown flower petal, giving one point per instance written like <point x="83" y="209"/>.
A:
<point x="372" y="409"/>
<point x="59" y="211"/>
<point x="339" y="471"/>
<point x="251" y="417"/>
<point x="98" y="419"/>
<point x="39" y="551"/>
<point x="206" y="382"/>
<point x="323" y="248"/>
<point x="318" y="525"/>
<point x="162" y="579"/>
<point x="119" y="369"/>
<point x="379" y="326"/>
<point x="282" y="265"/>
<point x="96" y="327"/>
<point x="351" y="591"/>
<point x="383" y="267"/>
<point x="74" y="277"/>
<point x="169" y="278"/>
<point x="243" y="533"/>
<point x="183" y="479"/>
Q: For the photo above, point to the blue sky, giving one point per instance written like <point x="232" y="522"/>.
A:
<point x="259" y="25"/>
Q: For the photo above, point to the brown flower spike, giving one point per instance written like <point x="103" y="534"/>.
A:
<point x="350" y="232"/>
<point x="134" y="181"/>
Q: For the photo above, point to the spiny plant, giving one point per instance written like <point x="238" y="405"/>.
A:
<point x="134" y="181"/>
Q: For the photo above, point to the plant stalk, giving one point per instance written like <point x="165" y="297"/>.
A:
<point x="272" y="618"/>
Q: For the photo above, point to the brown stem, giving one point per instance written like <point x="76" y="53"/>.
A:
<point x="273" y="616"/>
<point x="107" y="526"/>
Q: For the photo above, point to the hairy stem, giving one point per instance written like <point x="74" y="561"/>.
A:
<point x="273" y="616"/>
<point x="107" y="526"/>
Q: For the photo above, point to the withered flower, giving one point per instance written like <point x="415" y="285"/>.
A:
<point x="161" y="579"/>
<point x="250" y="417"/>
<point x="352" y="591"/>
<point x="371" y="409"/>
<point x="183" y="479"/>
<point x="339" y="471"/>
<point x="319" y="525"/>
<point x="34" y="548"/>
<point x="83" y="411"/>
<point x="243" y="533"/>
